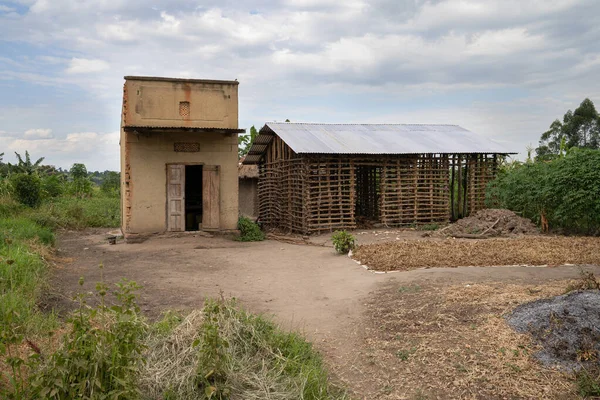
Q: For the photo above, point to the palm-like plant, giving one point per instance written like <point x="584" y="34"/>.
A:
<point x="26" y="166"/>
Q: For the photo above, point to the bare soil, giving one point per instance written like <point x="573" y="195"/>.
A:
<point x="350" y="313"/>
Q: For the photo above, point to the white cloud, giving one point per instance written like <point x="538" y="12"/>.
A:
<point x="6" y="9"/>
<point x="33" y="134"/>
<point x="83" y="66"/>
<point x="99" y="151"/>
<point x="321" y="60"/>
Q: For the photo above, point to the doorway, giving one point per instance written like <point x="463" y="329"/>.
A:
<point x="193" y="197"/>
<point x="367" y="195"/>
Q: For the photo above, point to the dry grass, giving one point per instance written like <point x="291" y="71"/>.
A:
<point x="256" y="360"/>
<point x="538" y="250"/>
<point x="453" y="343"/>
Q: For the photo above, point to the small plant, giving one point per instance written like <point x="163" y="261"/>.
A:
<point x="101" y="355"/>
<point x="343" y="242"/>
<point x="249" y="231"/>
<point x="405" y="354"/>
<point x="27" y="189"/>
<point x="588" y="383"/>
<point x="428" y="227"/>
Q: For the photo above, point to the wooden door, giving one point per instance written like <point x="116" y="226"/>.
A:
<point x="175" y="197"/>
<point x="210" y="197"/>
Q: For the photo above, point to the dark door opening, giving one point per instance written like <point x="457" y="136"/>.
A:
<point x="193" y="197"/>
<point x="367" y="195"/>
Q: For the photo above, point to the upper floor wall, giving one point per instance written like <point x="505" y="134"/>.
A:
<point x="169" y="102"/>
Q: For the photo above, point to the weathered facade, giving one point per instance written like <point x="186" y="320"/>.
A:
<point x="322" y="177"/>
<point x="179" y="163"/>
<point x="248" y="190"/>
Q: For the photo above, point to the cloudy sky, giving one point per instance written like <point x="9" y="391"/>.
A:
<point x="502" y="68"/>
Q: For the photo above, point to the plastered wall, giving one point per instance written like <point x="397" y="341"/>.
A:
<point x="148" y="157"/>
<point x="156" y="103"/>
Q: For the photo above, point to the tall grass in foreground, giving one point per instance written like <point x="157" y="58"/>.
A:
<point x="225" y="352"/>
<point x="22" y="272"/>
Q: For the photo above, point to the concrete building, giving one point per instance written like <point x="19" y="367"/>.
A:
<point x="179" y="160"/>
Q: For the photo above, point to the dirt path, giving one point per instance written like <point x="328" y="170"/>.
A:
<point x="304" y="287"/>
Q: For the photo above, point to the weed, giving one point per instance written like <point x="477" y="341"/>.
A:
<point x="428" y="227"/>
<point x="588" y="383"/>
<point x="409" y="289"/>
<point x="249" y="231"/>
<point x="100" y="356"/>
<point x="343" y="242"/>
<point x="404" y="355"/>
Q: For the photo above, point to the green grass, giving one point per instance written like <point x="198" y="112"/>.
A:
<point x="23" y="272"/>
<point x="74" y="213"/>
<point x="25" y="234"/>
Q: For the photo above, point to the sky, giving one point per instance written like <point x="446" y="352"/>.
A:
<point x="504" y="69"/>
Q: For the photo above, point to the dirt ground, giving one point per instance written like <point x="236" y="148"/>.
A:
<point x="344" y="308"/>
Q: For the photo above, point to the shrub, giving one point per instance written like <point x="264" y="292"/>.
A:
<point x="101" y="355"/>
<point x="52" y="186"/>
<point x="27" y="189"/>
<point x="111" y="184"/>
<point x="564" y="192"/>
<point x="249" y="231"/>
<point x="343" y="242"/>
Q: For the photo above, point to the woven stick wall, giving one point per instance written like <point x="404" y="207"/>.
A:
<point x="319" y="193"/>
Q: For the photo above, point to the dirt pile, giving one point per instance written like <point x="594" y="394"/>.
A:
<point x="567" y="327"/>
<point x="491" y="223"/>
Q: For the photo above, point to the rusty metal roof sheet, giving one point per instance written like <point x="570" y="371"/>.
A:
<point x="182" y="80"/>
<point x="181" y="129"/>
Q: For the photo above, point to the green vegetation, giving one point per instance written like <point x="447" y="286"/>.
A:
<point x="579" y="128"/>
<point x="111" y="351"/>
<point x="225" y="352"/>
<point x="563" y="193"/>
<point x="249" y="231"/>
<point x="343" y="242"/>
<point x="245" y="142"/>
<point x="588" y="383"/>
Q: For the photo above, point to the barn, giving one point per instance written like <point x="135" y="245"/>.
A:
<point x="322" y="177"/>
<point x="179" y="159"/>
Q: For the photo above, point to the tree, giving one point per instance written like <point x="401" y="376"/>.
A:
<point x="78" y="171"/>
<point x="26" y="166"/>
<point x="245" y="142"/>
<point x="579" y="128"/>
<point x="81" y="185"/>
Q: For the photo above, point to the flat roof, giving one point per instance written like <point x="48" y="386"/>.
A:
<point x="183" y="80"/>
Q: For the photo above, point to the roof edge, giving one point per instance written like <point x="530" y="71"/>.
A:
<point x="182" y="80"/>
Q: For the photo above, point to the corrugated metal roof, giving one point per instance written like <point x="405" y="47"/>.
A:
<point x="382" y="139"/>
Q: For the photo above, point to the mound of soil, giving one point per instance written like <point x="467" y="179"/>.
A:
<point x="491" y="222"/>
<point x="567" y="327"/>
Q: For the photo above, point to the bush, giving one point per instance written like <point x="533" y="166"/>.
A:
<point x="249" y="231"/>
<point x="27" y="189"/>
<point x="111" y="184"/>
<point x="565" y="192"/>
<point x="52" y="186"/>
<point x="100" y="356"/>
<point x="343" y="242"/>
